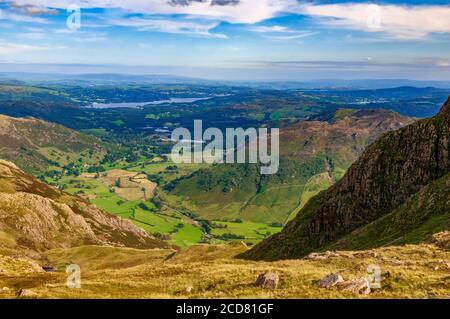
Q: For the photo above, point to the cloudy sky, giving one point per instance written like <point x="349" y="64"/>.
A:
<point x="229" y="39"/>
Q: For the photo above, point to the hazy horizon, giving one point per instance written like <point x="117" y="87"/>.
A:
<point x="289" y="40"/>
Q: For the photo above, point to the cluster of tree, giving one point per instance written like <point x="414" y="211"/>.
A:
<point x="230" y="236"/>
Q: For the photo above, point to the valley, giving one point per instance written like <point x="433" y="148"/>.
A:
<point x="125" y="168"/>
<point x="378" y="202"/>
<point x="208" y="230"/>
<point x="224" y="158"/>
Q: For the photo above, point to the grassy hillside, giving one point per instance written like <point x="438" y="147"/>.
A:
<point x="38" y="146"/>
<point x="129" y="193"/>
<point x="395" y="193"/>
<point x="415" y="221"/>
<point x="205" y="271"/>
<point x="314" y="154"/>
<point x="35" y="216"/>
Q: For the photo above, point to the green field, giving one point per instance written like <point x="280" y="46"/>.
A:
<point x="249" y="231"/>
<point x="315" y="185"/>
<point x="181" y="230"/>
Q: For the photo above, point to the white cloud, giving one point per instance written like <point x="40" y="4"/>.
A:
<point x="396" y="21"/>
<point x="91" y="39"/>
<point x="269" y="29"/>
<point x="246" y="11"/>
<point x="445" y="64"/>
<point x="83" y="36"/>
<point x="65" y="31"/>
<point x="144" y="45"/>
<point x="277" y="32"/>
<point x="297" y="35"/>
<point x="7" y="48"/>
<point x="32" y="35"/>
<point x="401" y="22"/>
<point x="170" y="26"/>
<point x="10" y="16"/>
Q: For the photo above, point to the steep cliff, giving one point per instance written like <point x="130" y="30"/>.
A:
<point x="393" y="169"/>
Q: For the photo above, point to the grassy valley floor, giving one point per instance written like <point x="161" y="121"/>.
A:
<point x="207" y="271"/>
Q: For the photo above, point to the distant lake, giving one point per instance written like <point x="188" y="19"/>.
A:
<point x="138" y="105"/>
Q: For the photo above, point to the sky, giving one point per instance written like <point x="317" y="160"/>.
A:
<point x="229" y="39"/>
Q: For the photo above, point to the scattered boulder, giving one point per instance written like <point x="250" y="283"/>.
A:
<point x="442" y="240"/>
<point x="358" y="286"/>
<point x="189" y="289"/>
<point x="26" y="293"/>
<point x="49" y="268"/>
<point x="322" y="256"/>
<point x="51" y="285"/>
<point x="268" y="281"/>
<point x="397" y="262"/>
<point x="329" y="281"/>
<point x="315" y="256"/>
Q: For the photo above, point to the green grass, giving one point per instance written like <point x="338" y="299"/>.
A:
<point x="119" y="122"/>
<point x="343" y="112"/>
<point x="147" y="220"/>
<point x="212" y="272"/>
<point x="99" y="132"/>
<point x="314" y="186"/>
<point x="272" y="204"/>
<point x="163" y="224"/>
<point x="252" y="232"/>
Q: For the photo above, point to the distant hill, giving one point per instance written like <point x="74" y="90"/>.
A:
<point x="97" y="78"/>
<point x="36" y="145"/>
<point x="35" y="216"/>
<point x="397" y="192"/>
<point x="314" y="155"/>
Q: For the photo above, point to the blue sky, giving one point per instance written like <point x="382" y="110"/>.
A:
<point x="230" y="39"/>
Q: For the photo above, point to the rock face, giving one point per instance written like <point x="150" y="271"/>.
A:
<point x="26" y="293"/>
<point x="36" y="216"/>
<point x="330" y="281"/>
<point x="393" y="169"/>
<point x="322" y="256"/>
<point x="268" y="281"/>
<point x="359" y="286"/>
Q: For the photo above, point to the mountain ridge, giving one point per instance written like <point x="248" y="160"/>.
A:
<point x="35" y="216"/>
<point x="308" y="149"/>
<point x="394" y="168"/>
<point x="35" y="145"/>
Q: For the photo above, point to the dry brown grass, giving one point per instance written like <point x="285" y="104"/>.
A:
<point x="133" y="186"/>
<point x="407" y="272"/>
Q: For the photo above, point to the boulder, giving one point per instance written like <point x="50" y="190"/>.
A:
<point x="315" y="256"/>
<point x="442" y="240"/>
<point x="49" y="268"/>
<point x="322" y="256"/>
<point x="26" y="293"/>
<point x="329" y="281"/>
<point x="268" y="281"/>
<point x="358" y="286"/>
